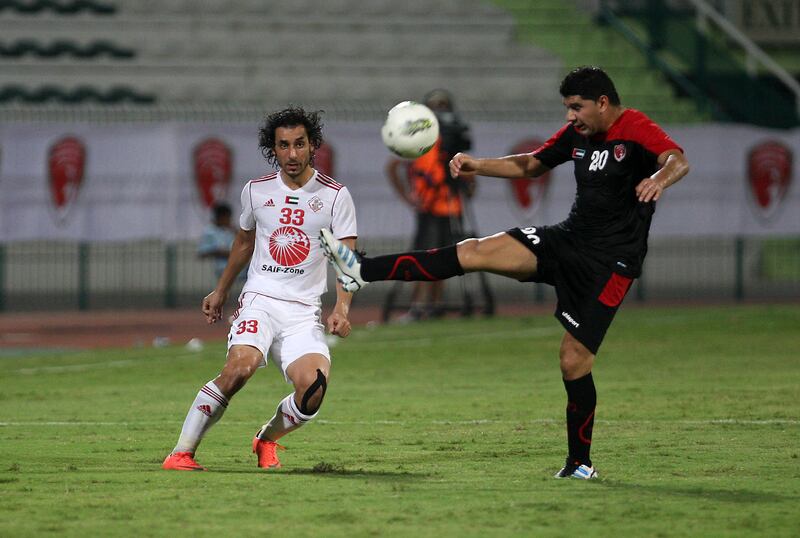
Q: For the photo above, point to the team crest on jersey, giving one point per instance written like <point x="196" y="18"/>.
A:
<point x="578" y="153"/>
<point x="315" y="204"/>
<point x="769" y="167"/>
<point x="66" y="161"/>
<point x="619" y="152"/>
<point x="289" y="246"/>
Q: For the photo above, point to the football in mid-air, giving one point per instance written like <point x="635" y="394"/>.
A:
<point x="410" y="130"/>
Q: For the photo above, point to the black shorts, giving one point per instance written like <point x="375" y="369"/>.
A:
<point x="589" y="292"/>
<point x="434" y="231"/>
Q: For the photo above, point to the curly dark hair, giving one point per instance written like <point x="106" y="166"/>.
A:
<point x="289" y="117"/>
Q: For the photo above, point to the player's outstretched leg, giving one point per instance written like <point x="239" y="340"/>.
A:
<point x="346" y="263"/>
<point x="354" y="272"/>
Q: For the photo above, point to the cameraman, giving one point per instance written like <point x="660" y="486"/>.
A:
<point x="426" y="185"/>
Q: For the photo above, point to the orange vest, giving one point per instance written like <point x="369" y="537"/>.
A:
<point x="428" y="177"/>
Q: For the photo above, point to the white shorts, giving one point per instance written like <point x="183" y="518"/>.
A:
<point x="284" y="331"/>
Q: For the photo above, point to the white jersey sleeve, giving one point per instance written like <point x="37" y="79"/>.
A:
<point x="247" y="220"/>
<point x="343" y="224"/>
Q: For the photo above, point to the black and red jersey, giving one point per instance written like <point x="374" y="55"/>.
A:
<point x="607" y="220"/>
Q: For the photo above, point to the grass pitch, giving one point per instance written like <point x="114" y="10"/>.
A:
<point x="451" y="428"/>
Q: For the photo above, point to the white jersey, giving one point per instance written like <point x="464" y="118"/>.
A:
<point x="288" y="262"/>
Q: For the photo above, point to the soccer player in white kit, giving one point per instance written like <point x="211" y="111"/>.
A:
<point x="278" y="318"/>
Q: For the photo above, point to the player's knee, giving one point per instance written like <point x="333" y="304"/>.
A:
<point x="310" y="390"/>
<point x="469" y="254"/>
<point x="239" y="368"/>
<point x="575" y="362"/>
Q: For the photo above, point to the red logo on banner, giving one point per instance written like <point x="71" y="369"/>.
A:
<point x="528" y="192"/>
<point x="323" y="159"/>
<point x="213" y="168"/>
<point x="66" y="162"/>
<point x="769" y="167"/>
<point x="289" y="246"/>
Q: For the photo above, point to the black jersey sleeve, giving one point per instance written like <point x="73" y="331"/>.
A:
<point x="557" y="150"/>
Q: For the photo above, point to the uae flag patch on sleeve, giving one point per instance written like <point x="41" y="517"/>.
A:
<point x="292" y="200"/>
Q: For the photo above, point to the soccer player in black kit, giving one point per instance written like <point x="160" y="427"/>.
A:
<point x="623" y="162"/>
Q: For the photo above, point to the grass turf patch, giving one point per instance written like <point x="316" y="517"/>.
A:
<point x="443" y="428"/>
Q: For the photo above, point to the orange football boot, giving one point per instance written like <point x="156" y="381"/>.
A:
<point x="181" y="461"/>
<point x="266" y="451"/>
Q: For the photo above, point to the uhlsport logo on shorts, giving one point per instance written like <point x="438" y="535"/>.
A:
<point x="769" y="167"/>
<point x="213" y="168"/>
<point x="66" y="163"/>
<point x="289" y="246"/>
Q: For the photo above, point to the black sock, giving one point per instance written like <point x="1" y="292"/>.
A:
<point x="434" y="264"/>
<point x="581" y="401"/>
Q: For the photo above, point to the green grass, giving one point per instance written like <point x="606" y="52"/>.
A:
<point x="438" y="429"/>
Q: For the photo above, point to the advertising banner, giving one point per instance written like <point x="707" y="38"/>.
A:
<point x="119" y="182"/>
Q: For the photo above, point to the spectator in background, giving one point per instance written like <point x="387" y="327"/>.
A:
<point x="217" y="238"/>
<point x="427" y="186"/>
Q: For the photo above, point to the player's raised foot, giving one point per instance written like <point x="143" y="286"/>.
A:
<point x="181" y="461"/>
<point x="574" y="469"/>
<point x="345" y="262"/>
<point x="267" y="453"/>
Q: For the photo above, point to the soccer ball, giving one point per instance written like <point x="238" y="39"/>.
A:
<point x="411" y="130"/>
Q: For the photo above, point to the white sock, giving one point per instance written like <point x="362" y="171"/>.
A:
<point x="287" y="419"/>
<point x="206" y="410"/>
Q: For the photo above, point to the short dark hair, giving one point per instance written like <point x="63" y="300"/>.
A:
<point x="589" y="82"/>
<point x="222" y="209"/>
<point x="289" y="117"/>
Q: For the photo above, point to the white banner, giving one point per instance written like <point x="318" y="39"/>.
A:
<point x="123" y="182"/>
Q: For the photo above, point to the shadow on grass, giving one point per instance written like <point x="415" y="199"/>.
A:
<point x="742" y="496"/>
<point x="328" y="470"/>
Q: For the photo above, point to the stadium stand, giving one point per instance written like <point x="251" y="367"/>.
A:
<point x="195" y="53"/>
<point x="355" y="55"/>
<point x="571" y="32"/>
<point x="63" y="7"/>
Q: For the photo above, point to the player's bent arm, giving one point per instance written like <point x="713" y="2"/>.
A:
<point x="344" y="298"/>
<point x="338" y="322"/>
<point x="242" y="250"/>
<point x="510" y="166"/>
<point x="392" y="170"/>
<point x="673" y="167"/>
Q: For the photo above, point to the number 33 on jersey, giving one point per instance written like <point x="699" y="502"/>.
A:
<point x="287" y="262"/>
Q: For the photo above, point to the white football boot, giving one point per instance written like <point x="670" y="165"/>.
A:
<point x="573" y="470"/>
<point x="345" y="262"/>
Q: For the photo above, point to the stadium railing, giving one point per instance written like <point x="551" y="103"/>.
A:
<point x="151" y="274"/>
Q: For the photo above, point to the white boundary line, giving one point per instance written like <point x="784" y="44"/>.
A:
<point x="476" y="422"/>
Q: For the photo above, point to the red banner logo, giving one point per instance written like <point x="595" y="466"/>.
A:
<point x="528" y="193"/>
<point x="323" y="159"/>
<point x="769" y="167"/>
<point x="213" y="168"/>
<point x="66" y="162"/>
